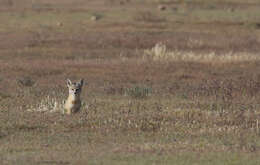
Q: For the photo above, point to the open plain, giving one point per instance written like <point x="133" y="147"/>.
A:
<point x="167" y="82"/>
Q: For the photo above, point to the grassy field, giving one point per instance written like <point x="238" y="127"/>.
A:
<point x="174" y="85"/>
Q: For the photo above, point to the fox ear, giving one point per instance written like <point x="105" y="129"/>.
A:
<point x="68" y="82"/>
<point x="81" y="81"/>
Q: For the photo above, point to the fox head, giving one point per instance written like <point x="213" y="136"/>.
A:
<point x="75" y="88"/>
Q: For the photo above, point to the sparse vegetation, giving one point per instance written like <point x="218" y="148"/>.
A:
<point x="147" y="16"/>
<point x="179" y="86"/>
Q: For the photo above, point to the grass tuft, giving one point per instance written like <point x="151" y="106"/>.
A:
<point x="48" y="104"/>
<point x="138" y="92"/>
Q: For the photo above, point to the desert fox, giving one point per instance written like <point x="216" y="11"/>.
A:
<point x="73" y="102"/>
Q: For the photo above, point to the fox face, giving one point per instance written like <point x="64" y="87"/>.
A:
<point x="75" y="88"/>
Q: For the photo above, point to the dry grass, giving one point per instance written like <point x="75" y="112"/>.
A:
<point x="48" y="104"/>
<point x="160" y="53"/>
<point x="174" y="91"/>
<point x="147" y="16"/>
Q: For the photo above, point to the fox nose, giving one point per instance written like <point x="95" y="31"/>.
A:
<point x="75" y="91"/>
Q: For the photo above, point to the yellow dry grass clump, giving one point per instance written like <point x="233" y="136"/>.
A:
<point x="160" y="53"/>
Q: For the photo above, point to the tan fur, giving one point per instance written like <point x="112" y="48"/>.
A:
<point x="73" y="102"/>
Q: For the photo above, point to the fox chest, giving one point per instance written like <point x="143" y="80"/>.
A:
<point x="73" y="104"/>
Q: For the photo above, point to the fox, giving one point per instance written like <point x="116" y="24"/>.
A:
<point x="73" y="102"/>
